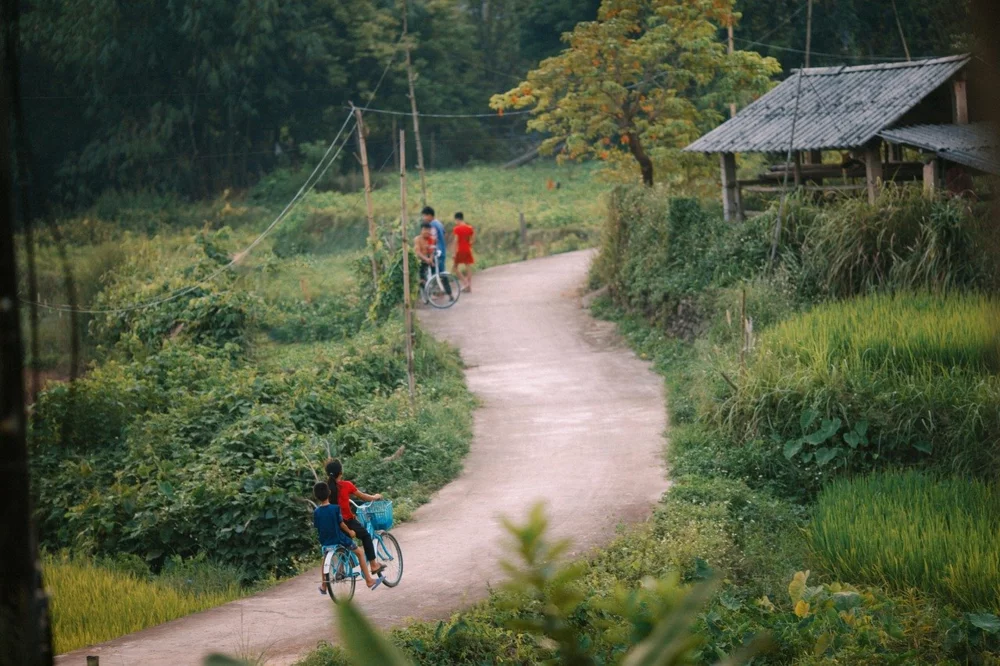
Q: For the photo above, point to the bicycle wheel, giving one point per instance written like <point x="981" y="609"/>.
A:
<point x="391" y="556"/>
<point x="338" y="571"/>
<point x="438" y="288"/>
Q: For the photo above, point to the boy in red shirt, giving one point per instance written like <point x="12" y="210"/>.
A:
<point x="463" y="255"/>
<point x="343" y="491"/>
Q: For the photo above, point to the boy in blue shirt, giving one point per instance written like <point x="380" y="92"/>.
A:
<point x="333" y="532"/>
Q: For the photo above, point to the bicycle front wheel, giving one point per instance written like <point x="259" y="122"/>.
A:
<point x="390" y="555"/>
<point x="338" y="571"/>
<point x="443" y="290"/>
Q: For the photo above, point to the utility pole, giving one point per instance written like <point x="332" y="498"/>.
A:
<point x="407" y="306"/>
<point x="25" y="637"/>
<point x="363" y="149"/>
<point x="732" y="48"/>
<point x="413" y="111"/>
<point x="809" y="31"/>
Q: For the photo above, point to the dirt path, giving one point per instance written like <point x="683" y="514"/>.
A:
<point x="568" y="416"/>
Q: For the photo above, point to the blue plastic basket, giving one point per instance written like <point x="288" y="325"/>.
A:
<point x="379" y="514"/>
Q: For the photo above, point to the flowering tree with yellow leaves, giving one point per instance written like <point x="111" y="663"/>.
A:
<point x="641" y="82"/>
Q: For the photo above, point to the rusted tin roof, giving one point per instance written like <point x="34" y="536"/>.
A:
<point x="839" y="107"/>
<point x="974" y="145"/>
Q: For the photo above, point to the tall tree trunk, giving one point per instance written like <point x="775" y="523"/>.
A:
<point x="645" y="164"/>
<point x="24" y="636"/>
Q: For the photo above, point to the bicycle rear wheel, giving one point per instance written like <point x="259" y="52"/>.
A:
<point x="443" y="290"/>
<point x="389" y="554"/>
<point x="338" y="571"/>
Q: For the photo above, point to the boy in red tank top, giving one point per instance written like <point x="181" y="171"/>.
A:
<point x="463" y="254"/>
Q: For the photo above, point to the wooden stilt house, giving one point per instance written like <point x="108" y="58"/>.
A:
<point x="867" y="113"/>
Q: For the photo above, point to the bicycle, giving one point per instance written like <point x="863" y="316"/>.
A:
<point x="341" y="568"/>
<point x="435" y="291"/>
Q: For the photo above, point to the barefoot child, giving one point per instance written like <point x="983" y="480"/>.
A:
<point x="343" y="491"/>
<point x="463" y="256"/>
<point x="334" y="532"/>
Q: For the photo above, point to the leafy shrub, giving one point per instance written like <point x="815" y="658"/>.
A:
<point x="187" y="451"/>
<point x="903" y="242"/>
<point x="877" y="380"/>
<point x="908" y="529"/>
<point x="315" y="231"/>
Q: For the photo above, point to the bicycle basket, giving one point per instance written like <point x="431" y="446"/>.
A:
<point x="379" y="514"/>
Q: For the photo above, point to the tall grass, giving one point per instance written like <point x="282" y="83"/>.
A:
<point x="920" y="371"/>
<point x="909" y="529"/>
<point x="91" y="603"/>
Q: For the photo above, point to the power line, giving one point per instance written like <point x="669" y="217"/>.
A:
<point x="307" y="187"/>
<point x="389" y="112"/>
<point x="820" y="53"/>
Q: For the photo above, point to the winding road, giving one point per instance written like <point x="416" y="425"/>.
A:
<point x="568" y="416"/>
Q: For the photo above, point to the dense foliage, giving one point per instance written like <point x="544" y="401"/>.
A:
<point x="193" y="436"/>
<point x="913" y="530"/>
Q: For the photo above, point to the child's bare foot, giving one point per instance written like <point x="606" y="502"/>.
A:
<point x="322" y="588"/>
<point x="376" y="568"/>
<point x="372" y="584"/>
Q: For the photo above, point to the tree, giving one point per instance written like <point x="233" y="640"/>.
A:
<point x="643" y="80"/>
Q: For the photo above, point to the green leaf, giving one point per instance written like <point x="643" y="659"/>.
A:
<point x="853" y="439"/>
<point x="986" y="621"/>
<point x="825" y="455"/>
<point x="861" y="427"/>
<point x="792" y="448"/>
<point x="924" y="447"/>
<point x="807" y="418"/>
<point x="365" y="644"/>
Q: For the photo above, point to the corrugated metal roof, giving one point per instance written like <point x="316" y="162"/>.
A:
<point x="839" y="107"/>
<point x="973" y="145"/>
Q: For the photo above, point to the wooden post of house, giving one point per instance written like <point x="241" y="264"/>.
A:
<point x="960" y="100"/>
<point x="815" y="157"/>
<point x="798" y="169"/>
<point x="873" y="170"/>
<point x="932" y="177"/>
<point x="730" y="205"/>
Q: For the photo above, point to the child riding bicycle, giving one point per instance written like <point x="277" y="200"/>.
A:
<point x="343" y="491"/>
<point x="334" y="532"/>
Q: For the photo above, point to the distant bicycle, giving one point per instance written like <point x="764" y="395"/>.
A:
<point x="435" y="291"/>
<point x="341" y="569"/>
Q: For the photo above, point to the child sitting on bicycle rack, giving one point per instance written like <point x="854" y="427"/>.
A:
<point x="333" y="532"/>
<point x="344" y="491"/>
<point x="425" y="248"/>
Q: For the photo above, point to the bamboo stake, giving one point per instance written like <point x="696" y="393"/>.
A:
<point x="372" y="233"/>
<point x="407" y="306"/>
<point x="416" y="121"/>
<point x="732" y="48"/>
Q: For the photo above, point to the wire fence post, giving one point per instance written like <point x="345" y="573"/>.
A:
<point x="413" y="111"/>
<point x="372" y="234"/>
<point x="407" y="305"/>
<point x="523" y="226"/>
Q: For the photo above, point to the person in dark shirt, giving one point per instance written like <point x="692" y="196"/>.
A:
<point x="333" y="532"/>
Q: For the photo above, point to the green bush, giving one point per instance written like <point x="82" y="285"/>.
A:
<point x="875" y="381"/>
<point x="909" y="529"/>
<point x="187" y="450"/>
<point x="903" y="242"/>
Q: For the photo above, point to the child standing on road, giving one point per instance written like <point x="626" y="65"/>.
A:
<point x="463" y="254"/>
<point x="334" y="532"/>
<point x="424" y="248"/>
<point x="343" y="491"/>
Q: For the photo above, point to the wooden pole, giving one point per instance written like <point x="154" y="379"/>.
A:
<point x="416" y="120"/>
<point x="395" y="146"/>
<point x="727" y="162"/>
<point x="809" y="31"/>
<point x="407" y="306"/>
<point x="902" y="35"/>
<point x="372" y="233"/>
<point x="732" y="48"/>
<point x="743" y="329"/>
<point x="523" y="226"/>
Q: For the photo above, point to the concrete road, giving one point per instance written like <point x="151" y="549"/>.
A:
<point x="569" y="417"/>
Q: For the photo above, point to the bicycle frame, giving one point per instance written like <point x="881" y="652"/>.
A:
<point x="380" y="550"/>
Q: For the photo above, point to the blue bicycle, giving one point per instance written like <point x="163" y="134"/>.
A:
<point x="341" y="568"/>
